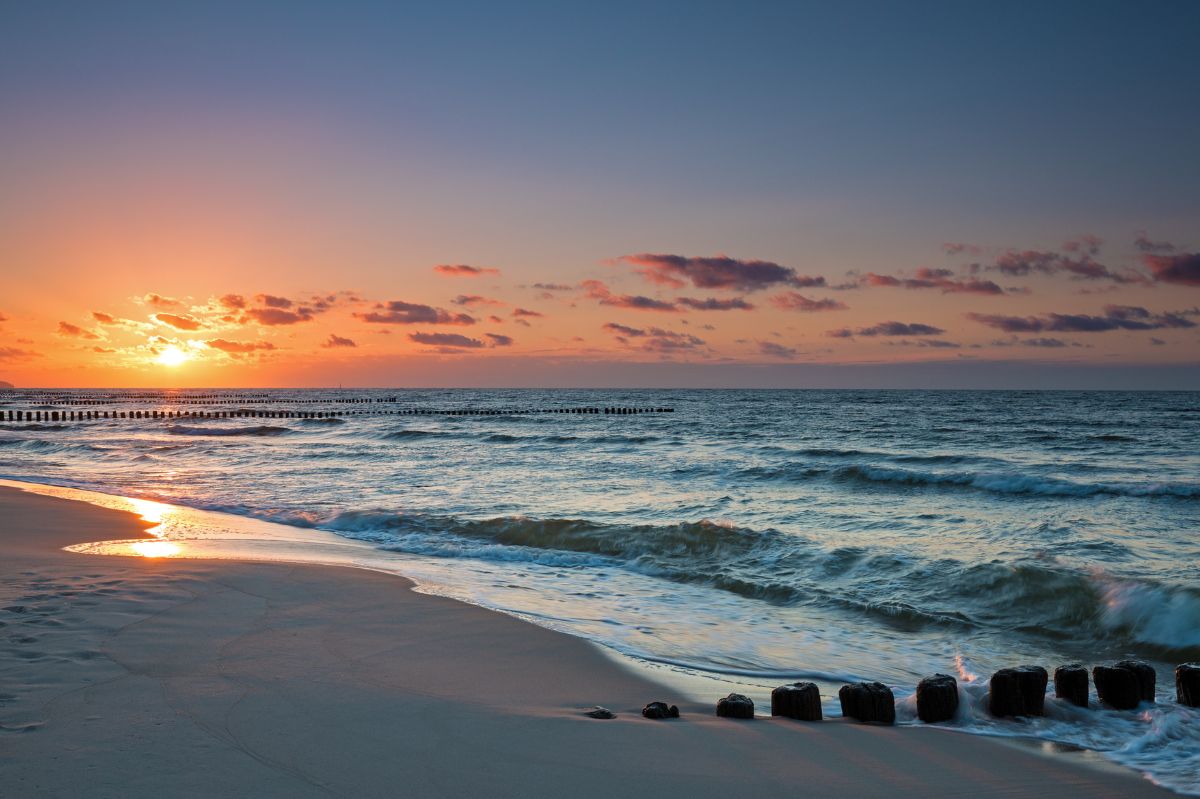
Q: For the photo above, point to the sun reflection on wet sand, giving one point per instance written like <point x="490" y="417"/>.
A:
<point x="156" y="549"/>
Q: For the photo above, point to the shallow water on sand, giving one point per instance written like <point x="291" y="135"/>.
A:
<point x="750" y="536"/>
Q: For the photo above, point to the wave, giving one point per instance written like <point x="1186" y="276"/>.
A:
<point x="257" y="430"/>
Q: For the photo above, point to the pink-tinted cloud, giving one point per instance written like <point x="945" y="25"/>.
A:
<point x="716" y="272"/>
<point x="102" y="318"/>
<point x="1116" y="317"/>
<point x="179" y="321"/>
<point x="926" y="278"/>
<point x="398" y="312"/>
<point x="271" y="301"/>
<point x="654" y="339"/>
<point x="473" y="300"/>
<point x="553" y="286"/>
<point x="1077" y="260"/>
<point x="273" y="317"/>
<point x="17" y="354"/>
<point x="75" y="331"/>
<point x="463" y="270"/>
<point x="335" y="340"/>
<point x="525" y="312"/>
<point x="596" y="290"/>
<point x="795" y="301"/>
<point x="715" y="304"/>
<point x="233" y="302"/>
<point x="889" y="329"/>
<point x="499" y="340"/>
<point x="1144" y="244"/>
<point x="445" y="340"/>
<point x="774" y="350"/>
<point x="159" y="301"/>
<point x="1183" y="268"/>
<point x="238" y="347"/>
<point x="960" y="248"/>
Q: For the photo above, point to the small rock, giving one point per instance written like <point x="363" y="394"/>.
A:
<point x="1071" y="684"/>
<point x="868" y="702"/>
<point x="937" y="698"/>
<point x="660" y="710"/>
<point x="735" y="706"/>
<point x="598" y="712"/>
<point x="1018" y="692"/>
<point x="799" y="700"/>
<point x="1187" y="684"/>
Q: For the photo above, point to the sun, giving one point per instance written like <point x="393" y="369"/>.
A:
<point x="172" y="356"/>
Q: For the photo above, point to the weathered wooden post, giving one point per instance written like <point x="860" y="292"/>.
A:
<point x="937" y="698"/>
<point x="799" y="700"/>
<point x="1125" y="684"/>
<point x="1018" y="692"/>
<point x="1187" y="684"/>
<point x="1071" y="684"/>
<point x="868" y="702"/>
<point x="735" y="706"/>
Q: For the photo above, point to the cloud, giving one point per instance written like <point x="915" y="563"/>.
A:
<point x="445" y="340"/>
<point x="159" y="301"/>
<point x="398" y="312"/>
<point x="716" y="272"/>
<point x="794" y="301"/>
<point x="273" y="317"/>
<point x="3" y="318"/>
<point x="178" y="321"/>
<point x="103" y="318"/>
<point x="75" y="331"/>
<point x="499" y="340"/>
<point x="462" y="270"/>
<point x="238" y="347"/>
<point x="526" y="312"/>
<point x="959" y="248"/>
<point x="16" y="354"/>
<point x="714" y="304"/>
<point x="1183" y="268"/>
<point x="471" y="300"/>
<point x="601" y="293"/>
<point x="553" y="286"/>
<point x="1077" y="260"/>
<point x="1116" y="317"/>
<point x="776" y="350"/>
<point x="271" y="301"/>
<point x="335" y="340"/>
<point x="103" y="350"/>
<point x="1144" y="244"/>
<point x="233" y="302"/>
<point x="654" y="339"/>
<point x="1157" y="342"/>
<point x="889" y="329"/>
<point x="926" y="278"/>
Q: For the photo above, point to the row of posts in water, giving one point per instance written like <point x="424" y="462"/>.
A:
<point x="262" y="413"/>
<point x="1012" y="692"/>
<point x="70" y="400"/>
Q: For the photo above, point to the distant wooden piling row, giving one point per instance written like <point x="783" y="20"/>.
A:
<point x="263" y="413"/>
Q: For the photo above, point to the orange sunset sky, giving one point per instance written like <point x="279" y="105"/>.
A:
<point x="326" y="205"/>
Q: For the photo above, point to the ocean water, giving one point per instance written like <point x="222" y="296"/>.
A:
<point x="747" y="539"/>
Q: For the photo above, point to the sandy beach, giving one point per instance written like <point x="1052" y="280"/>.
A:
<point x="148" y="677"/>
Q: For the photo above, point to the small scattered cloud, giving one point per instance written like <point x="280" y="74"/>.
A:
<point x="716" y="272"/>
<point x="446" y="340"/>
<point x="398" y="312"/>
<point x="473" y="300"/>
<point x="775" y="350"/>
<point x="463" y="270"/>
<point x="274" y="317"/>
<point x="272" y="301"/>
<point x="959" y="248"/>
<point x="238" y="347"/>
<point x="1182" y="268"/>
<point x="525" y="312"/>
<point x="1115" y="317"/>
<point x="889" y="329"/>
<point x="233" y="302"/>
<point x="159" y="301"/>
<point x="178" y="321"/>
<point x="335" y="341"/>
<point x="795" y="301"/>
<point x="553" y="286"/>
<point x="654" y="339"/>
<point x="75" y="331"/>
<point x="598" y="291"/>
<point x="941" y="279"/>
<point x="499" y="340"/>
<point x="715" y="304"/>
<point x="17" y="354"/>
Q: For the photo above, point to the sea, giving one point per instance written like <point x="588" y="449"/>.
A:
<point x="743" y="540"/>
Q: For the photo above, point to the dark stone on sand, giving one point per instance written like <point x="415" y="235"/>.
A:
<point x="600" y="713"/>
<point x="869" y="702"/>
<point x="1187" y="684"/>
<point x="660" y="710"/>
<point x="937" y="698"/>
<point x="1019" y="691"/>
<point x="1071" y="684"/>
<point x="799" y="700"/>
<point x="735" y="706"/>
<point x="1125" y="684"/>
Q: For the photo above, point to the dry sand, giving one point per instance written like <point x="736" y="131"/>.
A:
<point x="124" y="677"/>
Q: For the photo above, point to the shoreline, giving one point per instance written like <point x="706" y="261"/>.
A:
<point x="204" y="670"/>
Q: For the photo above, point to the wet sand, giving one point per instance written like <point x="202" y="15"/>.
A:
<point x="140" y="677"/>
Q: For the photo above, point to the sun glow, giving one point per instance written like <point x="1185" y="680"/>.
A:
<point x="156" y="549"/>
<point x="172" y="356"/>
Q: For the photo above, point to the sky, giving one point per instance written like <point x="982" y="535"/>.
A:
<point x="857" y="194"/>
